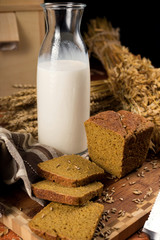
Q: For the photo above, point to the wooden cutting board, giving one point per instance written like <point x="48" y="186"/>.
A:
<point x="127" y="203"/>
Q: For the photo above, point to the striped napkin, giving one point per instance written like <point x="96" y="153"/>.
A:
<point x="19" y="156"/>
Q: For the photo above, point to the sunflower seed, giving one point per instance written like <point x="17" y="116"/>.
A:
<point x="137" y="192"/>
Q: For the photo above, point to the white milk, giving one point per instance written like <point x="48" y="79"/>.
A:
<point x="63" y="98"/>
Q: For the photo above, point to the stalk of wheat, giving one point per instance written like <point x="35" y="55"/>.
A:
<point x="132" y="80"/>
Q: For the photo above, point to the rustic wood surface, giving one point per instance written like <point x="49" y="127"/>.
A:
<point x="133" y="197"/>
<point x="135" y="208"/>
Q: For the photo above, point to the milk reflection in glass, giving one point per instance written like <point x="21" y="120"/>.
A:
<point x="63" y="98"/>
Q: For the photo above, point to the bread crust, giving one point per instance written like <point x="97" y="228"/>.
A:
<point x="44" y="235"/>
<point x="122" y="122"/>
<point x="133" y="130"/>
<point x="66" y="199"/>
<point x="68" y="182"/>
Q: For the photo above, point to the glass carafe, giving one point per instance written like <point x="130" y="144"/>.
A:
<point x="63" y="80"/>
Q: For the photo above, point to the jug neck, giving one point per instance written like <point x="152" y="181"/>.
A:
<point x="63" y="16"/>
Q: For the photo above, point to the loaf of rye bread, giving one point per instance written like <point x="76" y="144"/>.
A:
<point x="70" y="170"/>
<point x="52" y="191"/>
<point x="118" y="141"/>
<point x="60" y="221"/>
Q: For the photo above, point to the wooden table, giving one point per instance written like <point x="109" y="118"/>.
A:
<point x="10" y="235"/>
<point x="136" y="207"/>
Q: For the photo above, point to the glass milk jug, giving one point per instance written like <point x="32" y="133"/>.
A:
<point x="63" y="80"/>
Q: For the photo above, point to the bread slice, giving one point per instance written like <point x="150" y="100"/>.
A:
<point x="70" y="170"/>
<point x="74" y="196"/>
<point x="60" y="221"/>
<point x="118" y="141"/>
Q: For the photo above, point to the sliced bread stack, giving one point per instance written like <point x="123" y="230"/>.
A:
<point x="70" y="182"/>
<point x="69" y="179"/>
<point x="62" y="221"/>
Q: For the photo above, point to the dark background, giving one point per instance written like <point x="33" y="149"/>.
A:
<point x="139" y="24"/>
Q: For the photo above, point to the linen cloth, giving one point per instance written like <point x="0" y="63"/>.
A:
<point x="19" y="156"/>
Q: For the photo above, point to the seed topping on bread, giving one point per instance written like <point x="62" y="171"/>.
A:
<point x="70" y="170"/>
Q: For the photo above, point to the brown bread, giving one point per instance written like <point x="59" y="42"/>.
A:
<point x="59" y="221"/>
<point x="70" y="170"/>
<point x="118" y="141"/>
<point x="73" y="196"/>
